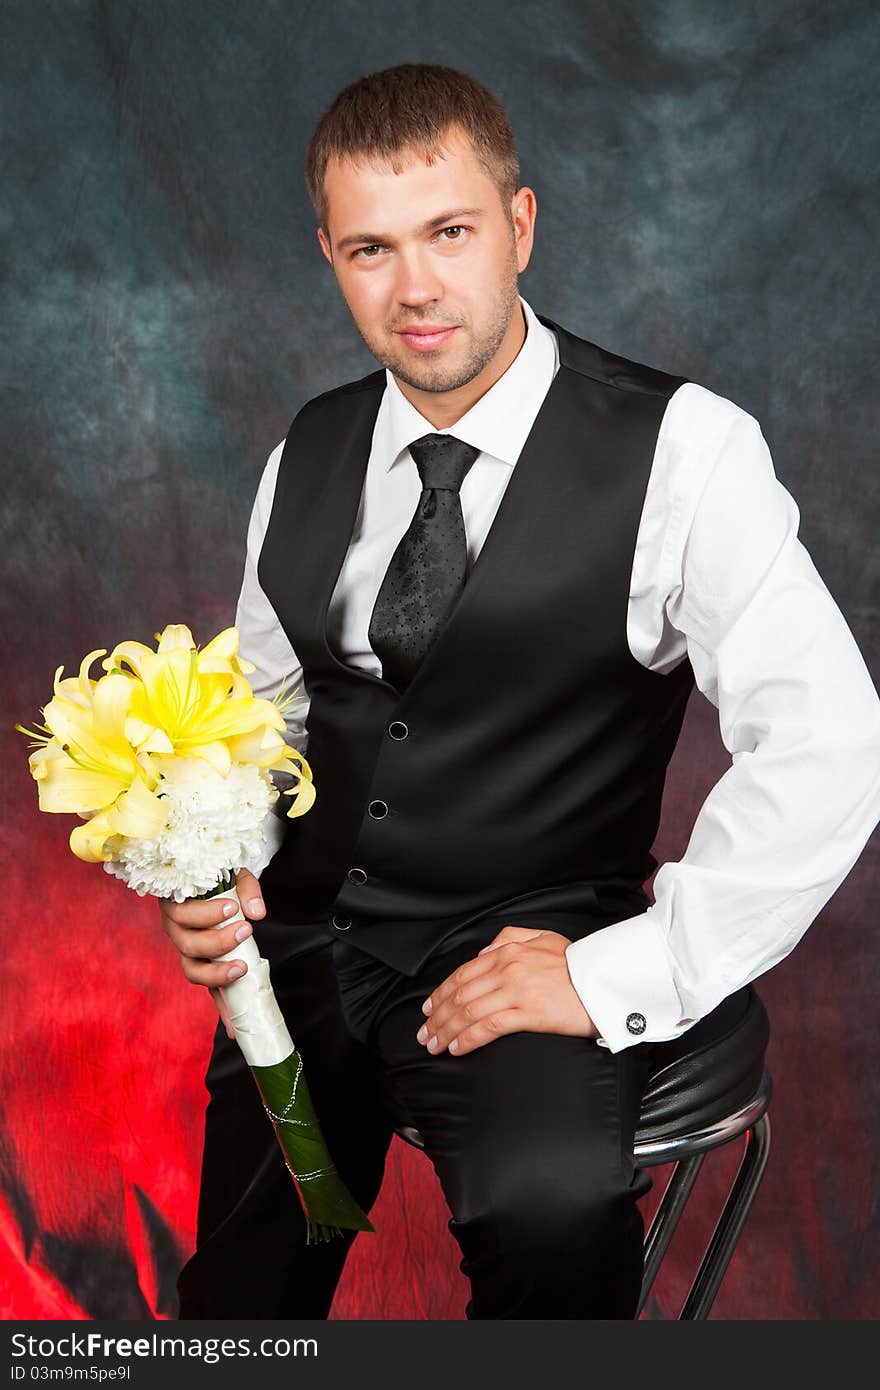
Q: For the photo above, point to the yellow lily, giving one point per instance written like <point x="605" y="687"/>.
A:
<point x="136" y="814"/>
<point x="84" y="764"/>
<point x="87" y="761"/>
<point x="196" y="703"/>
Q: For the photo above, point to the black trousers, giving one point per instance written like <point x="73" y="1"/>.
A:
<point x="531" y="1138"/>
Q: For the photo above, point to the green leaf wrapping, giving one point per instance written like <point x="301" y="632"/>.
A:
<point x="328" y="1206"/>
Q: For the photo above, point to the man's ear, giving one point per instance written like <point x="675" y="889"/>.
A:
<point x="524" y="207"/>
<point x="325" y="245"/>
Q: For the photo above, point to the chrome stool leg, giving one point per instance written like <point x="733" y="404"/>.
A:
<point x="730" y="1223"/>
<point x="686" y="1149"/>
<point x="666" y="1218"/>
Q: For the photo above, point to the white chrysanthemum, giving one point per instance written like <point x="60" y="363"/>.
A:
<point x="215" y="824"/>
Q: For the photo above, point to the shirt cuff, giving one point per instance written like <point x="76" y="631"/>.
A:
<point x="622" y="975"/>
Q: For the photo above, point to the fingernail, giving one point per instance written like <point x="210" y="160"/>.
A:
<point x="427" y="1006"/>
<point x="235" y="972"/>
<point x="453" y="1046"/>
<point x="255" y="907"/>
<point x="243" y="932"/>
<point x="433" y="1044"/>
<point x="422" y="1034"/>
<point x="229" y="909"/>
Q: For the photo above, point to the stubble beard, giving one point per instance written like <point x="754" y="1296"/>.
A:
<point x="433" y="374"/>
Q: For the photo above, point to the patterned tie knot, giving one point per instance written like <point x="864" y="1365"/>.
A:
<point x="442" y="460"/>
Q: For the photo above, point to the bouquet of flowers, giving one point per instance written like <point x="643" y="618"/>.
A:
<point x="167" y="759"/>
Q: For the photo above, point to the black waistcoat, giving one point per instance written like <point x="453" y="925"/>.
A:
<point x="526" y="760"/>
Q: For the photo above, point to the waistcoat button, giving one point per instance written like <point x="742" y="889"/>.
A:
<point x="357" y="876"/>
<point x="339" y="922"/>
<point x="377" y="809"/>
<point x="398" y="730"/>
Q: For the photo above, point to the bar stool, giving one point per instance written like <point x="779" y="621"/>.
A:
<point x="706" y="1089"/>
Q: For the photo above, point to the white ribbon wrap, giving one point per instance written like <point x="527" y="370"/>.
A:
<point x="260" y="1030"/>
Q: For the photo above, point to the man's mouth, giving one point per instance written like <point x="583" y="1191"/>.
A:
<point x="424" y="337"/>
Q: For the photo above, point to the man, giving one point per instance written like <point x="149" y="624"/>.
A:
<point x="498" y="566"/>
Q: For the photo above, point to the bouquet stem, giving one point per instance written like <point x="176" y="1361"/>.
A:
<point x="261" y="1032"/>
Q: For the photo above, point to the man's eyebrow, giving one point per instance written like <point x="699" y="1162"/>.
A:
<point x="374" y="238"/>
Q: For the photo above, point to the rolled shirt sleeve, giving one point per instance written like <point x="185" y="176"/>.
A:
<point x="798" y="713"/>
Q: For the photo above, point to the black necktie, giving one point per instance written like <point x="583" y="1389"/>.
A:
<point x="428" y="568"/>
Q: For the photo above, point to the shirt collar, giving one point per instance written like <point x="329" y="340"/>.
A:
<point x="499" y="422"/>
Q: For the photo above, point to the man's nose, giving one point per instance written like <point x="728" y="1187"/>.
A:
<point x="417" y="281"/>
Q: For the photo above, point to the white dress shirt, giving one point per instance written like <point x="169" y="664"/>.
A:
<point x="719" y="578"/>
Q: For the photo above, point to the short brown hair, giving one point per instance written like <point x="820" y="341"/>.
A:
<point x="411" y="106"/>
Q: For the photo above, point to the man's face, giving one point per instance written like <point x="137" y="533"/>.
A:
<point x="427" y="261"/>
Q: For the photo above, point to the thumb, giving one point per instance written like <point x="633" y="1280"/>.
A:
<point x="223" y="1011"/>
<point x="249" y="894"/>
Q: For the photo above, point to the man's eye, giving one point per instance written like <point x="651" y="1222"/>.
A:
<point x="370" y="253"/>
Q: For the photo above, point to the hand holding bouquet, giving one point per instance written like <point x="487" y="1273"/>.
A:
<point x="167" y="759"/>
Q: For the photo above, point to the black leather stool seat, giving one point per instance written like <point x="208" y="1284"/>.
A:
<point x="708" y="1073"/>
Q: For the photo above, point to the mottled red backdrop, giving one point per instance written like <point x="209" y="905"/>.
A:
<point x="706" y="183"/>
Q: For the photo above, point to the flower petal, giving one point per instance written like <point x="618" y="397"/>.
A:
<point x="304" y="791"/>
<point x="175" y="637"/>
<point x="86" y="686"/>
<point x="88" y="841"/>
<point x="110" y="705"/>
<point x="221" y="654"/>
<point x="146" y="738"/>
<point x="303" y="799"/>
<point x="64" y="787"/>
<point x="74" y="728"/>
<point x="262" y="747"/>
<point x="139" y="813"/>
<point x="217" y="754"/>
<point x="171" y="688"/>
<point x="129" y="653"/>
